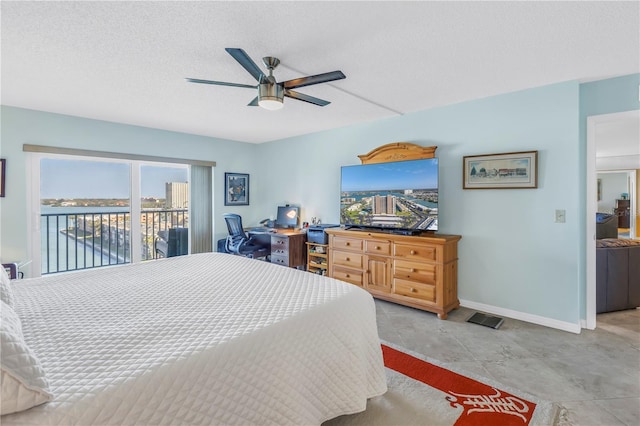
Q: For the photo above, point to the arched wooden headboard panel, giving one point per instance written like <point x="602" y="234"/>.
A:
<point x="398" y="151"/>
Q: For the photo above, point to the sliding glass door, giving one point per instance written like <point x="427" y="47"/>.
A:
<point x="98" y="212"/>
<point x="164" y="206"/>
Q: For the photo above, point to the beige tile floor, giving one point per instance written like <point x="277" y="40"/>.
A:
<point x="594" y="376"/>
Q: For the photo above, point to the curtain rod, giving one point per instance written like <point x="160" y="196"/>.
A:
<point x="118" y="155"/>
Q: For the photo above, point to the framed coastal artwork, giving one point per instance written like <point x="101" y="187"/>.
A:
<point x="236" y="189"/>
<point x="510" y="170"/>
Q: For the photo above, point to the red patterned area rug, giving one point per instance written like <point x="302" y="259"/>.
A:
<point x="423" y="393"/>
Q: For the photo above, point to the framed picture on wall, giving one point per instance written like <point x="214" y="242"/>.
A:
<point x="599" y="189"/>
<point x="3" y="165"/>
<point x="500" y="171"/>
<point x="236" y="189"/>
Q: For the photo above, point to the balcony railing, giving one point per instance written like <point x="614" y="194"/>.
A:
<point x="73" y="241"/>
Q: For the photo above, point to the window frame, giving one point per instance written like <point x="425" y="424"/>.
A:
<point x="33" y="161"/>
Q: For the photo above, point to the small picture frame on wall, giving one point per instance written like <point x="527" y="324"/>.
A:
<point x="3" y="167"/>
<point x="599" y="189"/>
<point x="236" y="189"/>
<point x="511" y="170"/>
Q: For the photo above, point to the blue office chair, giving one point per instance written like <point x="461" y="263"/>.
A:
<point x="239" y="243"/>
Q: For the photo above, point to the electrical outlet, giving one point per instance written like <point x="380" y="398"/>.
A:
<point x="560" y="216"/>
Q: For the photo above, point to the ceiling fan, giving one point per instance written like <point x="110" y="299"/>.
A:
<point x="271" y="93"/>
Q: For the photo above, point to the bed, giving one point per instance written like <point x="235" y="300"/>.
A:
<point x="201" y="339"/>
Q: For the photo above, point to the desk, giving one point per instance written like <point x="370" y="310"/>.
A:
<point x="287" y="246"/>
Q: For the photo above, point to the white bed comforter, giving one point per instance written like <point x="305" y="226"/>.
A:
<point x="201" y="339"/>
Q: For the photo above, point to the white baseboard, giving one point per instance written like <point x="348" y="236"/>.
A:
<point x="522" y="316"/>
<point x="583" y="324"/>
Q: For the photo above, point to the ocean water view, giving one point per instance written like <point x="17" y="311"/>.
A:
<point x="63" y="253"/>
<point x="79" y="237"/>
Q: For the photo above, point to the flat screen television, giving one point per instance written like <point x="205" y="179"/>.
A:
<point x="287" y="216"/>
<point x="400" y="196"/>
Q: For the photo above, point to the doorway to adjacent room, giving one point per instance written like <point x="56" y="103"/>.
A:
<point x="612" y="146"/>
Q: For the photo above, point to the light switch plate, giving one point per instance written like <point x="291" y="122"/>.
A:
<point x="560" y="216"/>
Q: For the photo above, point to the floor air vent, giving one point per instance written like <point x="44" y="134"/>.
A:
<point x="486" y="320"/>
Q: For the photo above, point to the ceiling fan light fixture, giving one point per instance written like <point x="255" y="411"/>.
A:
<point x="271" y="93"/>
<point x="270" y="96"/>
<point x="271" y="104"/>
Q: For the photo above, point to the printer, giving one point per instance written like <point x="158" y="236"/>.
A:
<point x="316" y="234"/>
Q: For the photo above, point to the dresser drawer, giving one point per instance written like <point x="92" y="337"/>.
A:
<point x="343" y="243"/>
<point x="415" y="271"/>
<point x="345" y="258"/>
<point x="414" y="252"/>
<point x="353" y="277"/>
<point x="280" y="260"/>
<point x="280" y="251"/>
<point x="413" y="289"/>
<point x="280" y="246"/>
<point x="279" y="243"/>
<point x="377" y="247"/>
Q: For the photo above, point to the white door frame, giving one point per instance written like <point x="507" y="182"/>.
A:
<point x="592" y="207"/>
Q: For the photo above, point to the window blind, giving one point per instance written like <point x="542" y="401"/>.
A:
<point x="201" y="200"/>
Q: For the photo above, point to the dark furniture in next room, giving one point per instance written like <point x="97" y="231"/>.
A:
<point x="606" y="226"/>
<point x="617" y="275"/>
<point x="623" y="211"/>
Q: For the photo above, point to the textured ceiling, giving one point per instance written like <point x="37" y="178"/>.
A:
<point x="126" y="61"/>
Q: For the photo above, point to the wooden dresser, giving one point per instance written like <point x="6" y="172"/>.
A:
<point x="623" y="211"/>
<point x="417" y="271"/>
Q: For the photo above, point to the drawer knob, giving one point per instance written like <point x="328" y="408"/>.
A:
<point x="347" y="259"/>
<point x="377" y="247"/>
<point x="412" y="252"/>
<point x="347" y="243"/>
<point x="413" y="290"/>
<point x="413" y="270"/>
<point x="348" y="276"/>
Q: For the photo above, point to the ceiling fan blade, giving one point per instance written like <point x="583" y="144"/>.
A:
<point x="219" y="83"/>
<point x="306" y="98"/>
<point x="254" y="102"/>
<point x="314" y="79"/>
<point x="246" y="62"/>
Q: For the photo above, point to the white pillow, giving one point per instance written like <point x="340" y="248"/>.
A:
<point x="6" y="294"/>
<point x="22" y="379"/>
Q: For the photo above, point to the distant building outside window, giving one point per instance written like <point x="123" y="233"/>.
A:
<point x="177" y="195"/>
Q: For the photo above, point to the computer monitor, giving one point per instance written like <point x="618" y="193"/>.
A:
<point x="287" y="217"/>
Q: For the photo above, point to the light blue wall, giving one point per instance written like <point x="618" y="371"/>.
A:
<point x="608" y="96"/>
<point x="512" y="254"/>
<point x="612" y="185"/>
<point x="22" y="126"/>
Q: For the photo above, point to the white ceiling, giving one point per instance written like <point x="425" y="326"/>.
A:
<point x="126" y="61"/>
